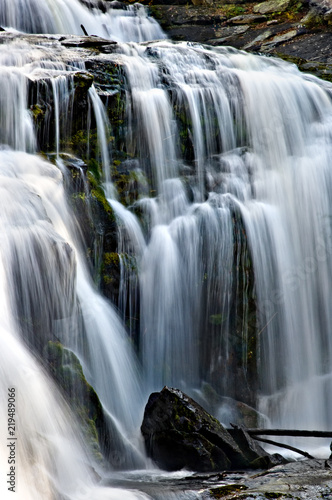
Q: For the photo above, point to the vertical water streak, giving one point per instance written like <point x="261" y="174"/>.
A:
<point x="152" y="130"/>
<point x="16" y="123"/>
<point x="291" y="220"/>
<point x="103" y="131"/>
<point x="63" y="89"/>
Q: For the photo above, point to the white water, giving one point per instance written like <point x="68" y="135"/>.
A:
<point x="260" y="134"/>
<point x="59" y="16"/>
<point x="256" y="159"/>
<point x="46" y="292"/>
<point x="39" y="265"/>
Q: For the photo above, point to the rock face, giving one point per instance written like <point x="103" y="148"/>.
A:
<point x="271" y="6"/>
<point x="299" y="32"/>
<point x="179" y="433"/>
<point x="67" y="371"/>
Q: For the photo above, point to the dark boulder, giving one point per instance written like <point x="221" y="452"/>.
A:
<point x="257" y="456"/>
<point x="179" y="433"/>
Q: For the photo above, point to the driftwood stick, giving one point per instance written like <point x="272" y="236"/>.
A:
<point x="280" y="445"/>
<point x="84" y="30"/>
<point x="289" y="432"/>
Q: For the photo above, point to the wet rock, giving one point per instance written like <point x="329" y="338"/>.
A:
<point x="307" y="479"/>
<point x="228" y="410"/>
<point x="280" y="39"/>
<point x="116" y="5"/>
<point x="258" y="40"/>
<point x="237" y="412"/>
<point x="320" y="70"/>
<point x="227" y="34"/>
<point x="229" y="489"/>
<point x="202" y="2"/>
<point x="179" y="433"/>
<point x="258" y="457"/>
<point x="169" y="2"/>
<point x="271" y="6"/>
<point x="178" y="15"/>
<point x="85" y="41"/>
<point x="247" y="19"/>
<point x="99" y="430"/>
<point x="311" y="19"/>
<point x="67" y="371"/>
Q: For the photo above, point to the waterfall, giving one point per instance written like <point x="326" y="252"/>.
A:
<point x="47" y="293"/>
<point x="98" y="18"/>
<point x="38" y="288"/>
<point x="255" y="163"/>
<point x="224" y="249"/>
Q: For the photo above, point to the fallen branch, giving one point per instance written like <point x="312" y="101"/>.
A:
<point x="280" y="445"/>
<point x="289" y="432"/>
<point x="84" y="30"/>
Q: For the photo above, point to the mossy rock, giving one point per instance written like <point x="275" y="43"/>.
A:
<point x="179" y="433"/>
<point x="82" y="398"/>
<point x="273" y="494"/>
<point x="229" y="489"/>
<point x="83" y="80"/>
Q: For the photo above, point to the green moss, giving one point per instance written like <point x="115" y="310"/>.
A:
<point x="233" y="10"/>
<point x="216" y="319"/>
<point x="273" y="495"/>
<point x="79" y="143"/>
<point x="83" y="80"/>
<point x="37" y="112"/>
<point x="108" y="280"/>
<point x="93" y="182"/>
<point x="79" y="196"/>
<point x="111" y="258"/>
<point x="99" y="195"/>
<point x="223" y="491"/>
<point x="156" y="12"/>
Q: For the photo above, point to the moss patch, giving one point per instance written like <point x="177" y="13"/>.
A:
<point x="223" y="491"/>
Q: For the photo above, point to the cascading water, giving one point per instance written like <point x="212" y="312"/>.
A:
<point x="257" y="135"/>
<point x="38" y="288"/>
<point x="225" y="254"/>
<point x="48" y="294"/>
<point x="98" y="18"/>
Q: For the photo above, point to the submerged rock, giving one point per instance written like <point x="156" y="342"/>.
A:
<point x="179" y="433"/>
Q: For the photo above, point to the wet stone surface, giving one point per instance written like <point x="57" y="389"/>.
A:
<point x="307" y="480"/>
<point x="282" y="28"/>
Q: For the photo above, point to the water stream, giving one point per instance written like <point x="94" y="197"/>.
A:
<point x="230" y="237"/>
<point x="260" y="137"/>
<point x="98" y="18"/>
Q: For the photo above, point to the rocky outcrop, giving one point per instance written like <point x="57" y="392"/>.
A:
<point x="100" y="431"/>
<point x="83" y="400"/>
<point x="297" y="31"/>
<point x="179" y="433"/>
<point x="271" y="6"/>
